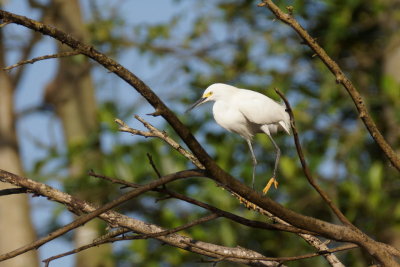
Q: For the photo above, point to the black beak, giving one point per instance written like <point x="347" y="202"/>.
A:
<point x="195" y="104"/>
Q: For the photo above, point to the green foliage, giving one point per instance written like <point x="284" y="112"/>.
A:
<point x="237" y="42"/>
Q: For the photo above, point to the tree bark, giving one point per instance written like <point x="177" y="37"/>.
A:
<point x="16" y="228"/>
<point x="73" y="96"/>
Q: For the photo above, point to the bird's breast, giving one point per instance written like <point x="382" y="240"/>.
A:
<point x="232" y="119"/>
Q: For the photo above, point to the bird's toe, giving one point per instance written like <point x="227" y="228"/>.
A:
<point x="271" y="182"/>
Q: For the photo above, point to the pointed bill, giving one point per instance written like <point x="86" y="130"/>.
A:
<point x="195" y="104"/>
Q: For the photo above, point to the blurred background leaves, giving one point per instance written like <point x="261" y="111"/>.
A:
<point x="238" y="43"/>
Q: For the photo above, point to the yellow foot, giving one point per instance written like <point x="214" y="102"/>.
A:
<point x="268" y="186"/>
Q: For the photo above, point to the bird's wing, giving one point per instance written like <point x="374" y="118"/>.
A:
<point x="259" y="108"/>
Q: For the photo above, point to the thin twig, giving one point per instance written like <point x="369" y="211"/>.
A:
<point x="33" y="60"/>
<point x="153" y="165"/>
<point x="154" y="132"/>
<point x="113" y="180"/>
<point x="340" y="78"/>
<point x="111" y="234"/>
<point x="26" y="51"/>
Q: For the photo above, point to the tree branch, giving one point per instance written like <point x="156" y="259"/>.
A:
<point x="340" y="78"/>
<point x="134" y="237"/>
<point x="33" y="60"/>
<point x="294" y="258"/>
<point x="154" y="132"/>
<point x="304" y="165"/>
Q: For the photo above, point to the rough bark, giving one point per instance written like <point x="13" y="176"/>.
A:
<point x="16" y="228"/>
<point x="73" y="96"/>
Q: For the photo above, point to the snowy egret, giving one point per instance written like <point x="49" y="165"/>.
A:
<point x="247" y="113"/>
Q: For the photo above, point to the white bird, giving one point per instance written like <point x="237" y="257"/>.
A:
<point x="247" y="113"/>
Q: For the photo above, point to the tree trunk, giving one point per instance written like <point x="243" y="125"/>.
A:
<point x="72" y="94"/>
<point x="16" y="228"/>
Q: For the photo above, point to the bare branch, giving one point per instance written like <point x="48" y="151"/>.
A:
<point x="154" y="132"/>
<point x="153" y="165"/>
<point x="340" y="78"/>
<point x="294" y="258"/>
<point x="112" y="238"/>
<point x="113" y="180"/>
<point x="33" y="60"/>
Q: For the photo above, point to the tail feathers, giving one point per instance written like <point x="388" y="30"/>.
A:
<point x="286" y="126"/>
<point x="285" y="123"/>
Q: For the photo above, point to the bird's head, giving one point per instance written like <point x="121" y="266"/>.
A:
<point x="212" y="93"/>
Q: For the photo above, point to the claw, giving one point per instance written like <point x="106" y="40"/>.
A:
<point x="269" y="184"/>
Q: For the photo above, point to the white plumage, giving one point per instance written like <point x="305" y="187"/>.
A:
<point x="247" y="113"/>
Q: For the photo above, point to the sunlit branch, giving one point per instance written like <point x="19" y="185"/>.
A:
<point x="111" y="239"/>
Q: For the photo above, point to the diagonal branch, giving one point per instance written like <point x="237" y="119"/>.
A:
<point x="340" y="78"/>
<point x="154" y="132"/>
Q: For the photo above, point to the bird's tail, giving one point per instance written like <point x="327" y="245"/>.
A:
<point x="285" y="124"/>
